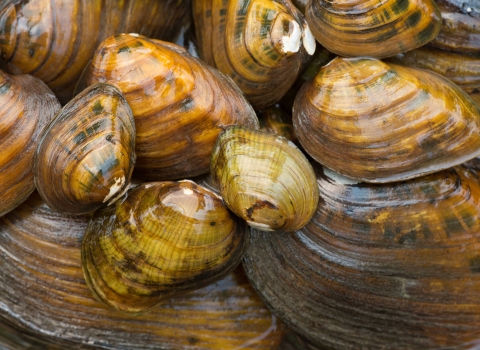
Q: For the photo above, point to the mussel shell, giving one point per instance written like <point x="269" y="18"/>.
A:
<point x="375" y="28"/>
<point x="379" y="264"/>
<point x="86" y="156"/>
<point x="260" y="44"/>
<point x="180" y="104"/>
<point x="54" y="40"/>
<point x="26" y="107"/>
<point x="274" y="119"/>
<point x="43" y="296"/>
<point x="264" y="178"/>
<point x="163" y="239"/>
<point x="377" y="122"/>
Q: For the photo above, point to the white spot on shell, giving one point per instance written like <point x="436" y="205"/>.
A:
<point x="291" y="43"/>
<point x="187" y="191"/>
<point x="259" y="226"/>
<point x="119" y="182"/>
<point x="134" y="34"/>
<point x="339" y="178"/>
<point x="309" y="42"/>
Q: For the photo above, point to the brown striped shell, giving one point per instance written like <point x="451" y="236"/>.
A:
<point x="380" y="265"/>
<point x="260" y="44"/>
<point x="40" y="255"/>
<point x="163" y="239"/>
<point x="54" y="40"/>
<point x="180" y="104"/>
<point x="26" y="107"/>
<point x="377" y="122"/>
<point x="264" y="178"/>
<point x="375" y="28"/>
<point x="86" y="156"/>
<point x="275" y="119"/>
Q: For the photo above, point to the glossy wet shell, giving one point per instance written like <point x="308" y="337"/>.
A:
<point x="275" y="119"/>
<point x="86" y="156"/>
<point x="180" y="105"/>
<point x="375" y="28"/>
<point x="463" y="70"/>
<point x="264" y="178"/>
<point x="394" y="264"/>
<point x="26" y="107"/>
<point x="40" y="255"/>
<point x="260" y="44"/>
<point x="381" y="123"/>
<point x="54" y="40"/>
<point x="164" y="239"/>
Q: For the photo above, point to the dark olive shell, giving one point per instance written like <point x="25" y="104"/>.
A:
<point x="86" y="156"/>
<point x="379" y="122"/>
<point x="163" y="239"/>
<point x="26" y="107"/>
<point x="54" y="39"/>
<point x="379" y="265"/>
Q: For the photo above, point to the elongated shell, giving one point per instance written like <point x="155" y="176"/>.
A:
<point x="40" y="255"/>
<point x="264" y="178"/>
<point x="394" y="264"/>
<point x="260" y="44"/>
<point x="377" y="122"/>
<point x="86" y="156"/>
<point x="375" y="28"/>
<point x="26" y="107"/>
<point x="180" y="105"/>
<point x="165" y="238"/>
<point x="54" y="40"/>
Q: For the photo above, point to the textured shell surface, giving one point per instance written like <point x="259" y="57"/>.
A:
<point x="375" y="28"/>
<point x="378" y="264"/>
<point x="180" y="104"/>
<point x="26" y="107"/>
<point x="40" y="255"/>
<point x="86" y="156"/>
<point x="275" y="119"/>
<point x="261" y="44"/>
<point x="54" y="40"/>
<point x="264" y="178"/>
<point x="379" y="122"/>
<point x="163" y="239"/>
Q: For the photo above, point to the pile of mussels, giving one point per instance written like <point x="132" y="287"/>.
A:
<point x="348" y="187"/>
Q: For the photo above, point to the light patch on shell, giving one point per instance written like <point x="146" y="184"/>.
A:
<point x="259" y="226"/>
<point x="187" y="191"/>
<point x="119" y="182"/>
<point x="309" y="42"/>
<point x="343" y="180"/>
<point x="291" y="41"/>
<point x="134" y="34"/>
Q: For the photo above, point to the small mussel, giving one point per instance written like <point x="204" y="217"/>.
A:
<point x="379" y="266"/>
<point x="375" y="28"/>
<point x="86" y="156"/>
<point x="163" y="239"/>
<point x="376" y="122"/>
<point x="264" y="178"/>
<point x="26" y="107"/>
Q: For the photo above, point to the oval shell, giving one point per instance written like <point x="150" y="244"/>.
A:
<point x="375" y="28"/>
<point x="40" y="255"/>
<point x="377" y="122"/>
<point x="394" y="264"/>
<point x="26" y="107"/>
<point x="86" y="156"/>
<point x="264" y="178"/>
<point x="180" y="105"/>
<point x="260" y="44"/>
<point x="163" y="239"/>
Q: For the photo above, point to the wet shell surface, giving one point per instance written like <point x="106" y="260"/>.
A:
<point x="86" y="156"/>
<point x="264" y="178"/>
<point x="260" y="44"/>
<point x="377" y="122"/>
<point x="40" y="255"/>
<point x="275" y="119"/>
<point x="180" y="105"/>
<point x="54" y="40"/>
<point x="379" y="264"/>
<point x="26" y="107"/>
<point x="162" y="240"/>
<point x="375" y="28"/>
